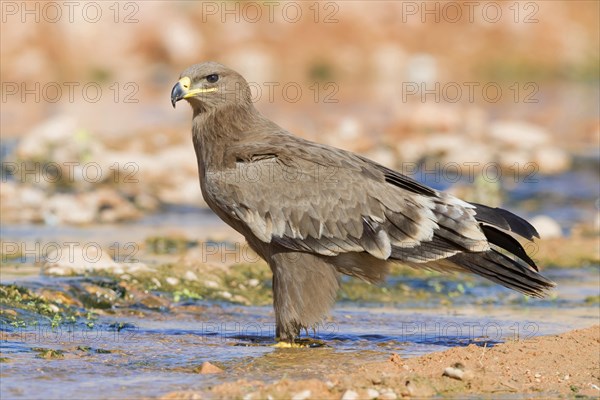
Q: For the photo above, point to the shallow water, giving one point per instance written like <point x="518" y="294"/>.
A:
<point x="132" y="353"/>
<point x="129" y="353"/>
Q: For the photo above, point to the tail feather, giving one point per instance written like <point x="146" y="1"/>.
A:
<point x="508" y="243"/>
<point x="506" y="220"/>
<point x="507" y="272"/>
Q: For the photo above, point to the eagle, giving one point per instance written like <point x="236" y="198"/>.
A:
<point x="314" y="212"/>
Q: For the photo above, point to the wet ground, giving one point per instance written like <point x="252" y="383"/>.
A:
<point x="123" y="335"/>
<point x="127" y="356"/>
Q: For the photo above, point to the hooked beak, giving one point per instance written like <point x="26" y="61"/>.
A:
<point x="181" y="90"/>
<point x="177" y="93"/>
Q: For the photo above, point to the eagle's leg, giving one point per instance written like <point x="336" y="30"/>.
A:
<point x="304" y="289"/>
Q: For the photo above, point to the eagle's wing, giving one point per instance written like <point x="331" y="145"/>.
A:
<point x="314" y="198"/>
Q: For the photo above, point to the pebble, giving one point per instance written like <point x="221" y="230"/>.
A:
<point x="211" y="284"/>
<point x="547" y="227"/>
<point x="249" y="396"/>
<point x="388" y="394"/>
<point x="458" y="371"/>
<point x="208" y="368"/>
<point x="74" y="261"/>
<point x="519" y="134"/>
<point x="372" y="393"/>
<point x="190" y="276"/>
<point x="350" y="395"/>
<point x="172" y="281"/>
<point x="303" y="395"/>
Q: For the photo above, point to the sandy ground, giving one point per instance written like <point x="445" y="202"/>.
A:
<point x="566" y="365"/>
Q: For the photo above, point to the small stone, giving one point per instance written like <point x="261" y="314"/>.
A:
<point x="458" y="371"/>
<point x="172" y="281"/>
<point x="303" y="395"/>
<point x="350" y="395"/>
<point x="537" y="375"/>
<point x="376" y="381"/>
<point x="253" y="282"/>
<point x="208" y="368"/>
<point x="547" y="227"/>
<point x="388" y="394"/>
<point x="372" y="393"/>
<point x="190" y="276"/>
<point x="156" y="282"/>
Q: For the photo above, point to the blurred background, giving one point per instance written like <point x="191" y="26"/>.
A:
<point x="496" y="101"/>
<point x="103" y="227"/>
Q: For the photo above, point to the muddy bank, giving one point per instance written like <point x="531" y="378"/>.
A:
<point x="563" y="365"/>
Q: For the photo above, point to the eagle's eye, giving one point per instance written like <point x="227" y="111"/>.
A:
<point x="212" y="78"/>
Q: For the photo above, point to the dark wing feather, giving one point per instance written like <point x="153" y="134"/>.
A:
<point x="503" y="270"/>
<point x="324" y="200"/>
<point x="508" y="243"/>
<point x="506" y="220"/>
<point x="312" y="198"/>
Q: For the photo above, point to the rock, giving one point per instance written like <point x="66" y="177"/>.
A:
<point x="546" y="226"/>
<point x="211" y="284"/>
<point x="551" y="160"/>
<point x="458" y="371"/>
<point x="417" y="389"/>
<point x="190" y="276"/>
<point x="250" y="396"/>
<point x="208" y="368"/>
<point x="21" y="203"/>
<point x="172" y="281"/>
<point x="372" y="393"/>
<point x="65" y="208"/>
<point x="350" y="395"/>
<point x="95" y="296"/>
<point x="422" y="69"/>
<point x="519" y="135"/>
<point x="303" y="395"/>
<point x="111" y="206"/>
<point x="432" y="117"/>
<point x="81" y="258"/>
<point x="178" y="35"/>
<point x="38" y="143"/>
<point x="515" y="161"/>
<point x="388" y="394"/>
